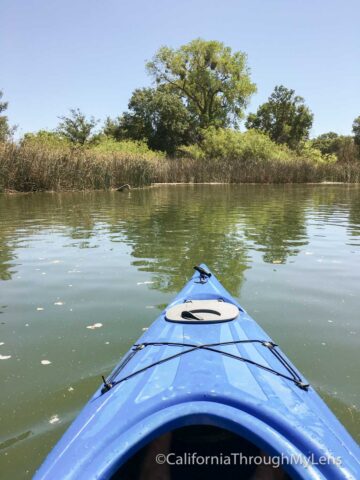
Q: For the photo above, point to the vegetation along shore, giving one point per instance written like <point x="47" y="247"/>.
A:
<point x="184" y="129"/>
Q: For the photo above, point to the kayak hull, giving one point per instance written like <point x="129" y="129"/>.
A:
<point x="204" y="387"/>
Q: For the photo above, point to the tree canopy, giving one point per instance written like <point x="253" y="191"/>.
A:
<point x="284" y="117"/>
<point x="5" y="130"/>
<point x="157" y="116"/>
<point x="356" y="130"/>
<point x="76" y="127"/>
<point x="212" y="81"/>
<point x="328" y="143"/>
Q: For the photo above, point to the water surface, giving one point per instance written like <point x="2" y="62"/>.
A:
<point x="290" y="254"/>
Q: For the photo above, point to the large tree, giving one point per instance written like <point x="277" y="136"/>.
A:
<point x="213" y="82"/>
<point x="157" y="116"/>
<point x="284" y="117"/>
<point x="76" y="127"/>
<point x="5" y="130"/>
<point x="356" y="130"/>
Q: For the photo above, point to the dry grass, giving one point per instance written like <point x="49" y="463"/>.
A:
<point x="32" y="168"/>
<point x="255" y="171"/>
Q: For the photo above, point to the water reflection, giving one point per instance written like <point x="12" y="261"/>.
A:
<point x="276" y="223"/>
<point x="171" y="228"/>
<point x="354" y="220"/>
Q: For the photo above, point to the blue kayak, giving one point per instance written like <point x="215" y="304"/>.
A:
<point x="204" y="382"/>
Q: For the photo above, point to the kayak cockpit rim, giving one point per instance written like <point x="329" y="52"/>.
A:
<point x="244" y="433"/>
<point x="183" y="446"/>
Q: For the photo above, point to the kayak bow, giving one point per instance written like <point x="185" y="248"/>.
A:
<point x="204" y="362"/>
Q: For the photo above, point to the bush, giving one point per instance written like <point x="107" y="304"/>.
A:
<point x="105" y="144"/>
<point x="44" y="138"/>
<point x="309" y="152"/>
<point x="228" y="144"/>
<point x="251" y="146"/>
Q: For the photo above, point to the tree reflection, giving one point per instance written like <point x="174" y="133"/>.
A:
<point x="276" y="221"/>
<point x="177" y="228"/>
<point x="354" y="215"/>
<point x="169" y="229"/>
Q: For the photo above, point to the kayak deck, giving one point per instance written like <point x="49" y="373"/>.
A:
<point x="226" y="374"/>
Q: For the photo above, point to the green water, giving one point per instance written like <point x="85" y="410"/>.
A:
<point x="290" y="254"/>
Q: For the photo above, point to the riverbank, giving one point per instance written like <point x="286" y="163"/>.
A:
<point x="28" y="168"/>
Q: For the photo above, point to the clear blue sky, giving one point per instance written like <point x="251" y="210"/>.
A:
<point x="90" y="54"/>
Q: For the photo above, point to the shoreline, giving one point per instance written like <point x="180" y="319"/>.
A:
<point x="160" y="184"/>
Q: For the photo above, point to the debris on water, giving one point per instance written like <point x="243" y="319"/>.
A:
<point x="123" y="187"/>
<point x="144" y="329"/>
<point x="5" y="357"/>
<point x="69" y="285"/>
<point x="26" y="324"/>
<point x="148" y="282"/>
<point x="40" y="309"/>
<point x="95" y="325"/>
<point x="45" y="362"/>
<point x="54" y="419"/>
<point x="59" y="303"/>
<point x="56" y="261"/>
<point x="323" y="344"/>
<point x="43" y="273"/>
<point x="330" y="321"/>
<point x="2" y="343"/>
<point x="107" y="343"/>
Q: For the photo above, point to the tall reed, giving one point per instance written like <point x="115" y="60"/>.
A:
<point x="29" y="168"/>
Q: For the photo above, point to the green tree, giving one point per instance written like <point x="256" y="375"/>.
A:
<point x="157" y="116"/>
<point x="284" y="117"/>
<point x="76" y="127"/>
<point x="356" y="130"/>
<point x="113" y="128"/>
<point x="5" y="130"/>
<point x="327" y="143"/>
<point x="213" y="82"/>
<point x="343" y="146"/>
